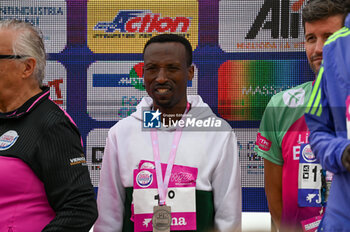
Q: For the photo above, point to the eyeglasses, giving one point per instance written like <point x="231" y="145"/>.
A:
<point x="16" y="57"/>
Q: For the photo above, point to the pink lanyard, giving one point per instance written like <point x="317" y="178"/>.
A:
<point x="163" y="186"/>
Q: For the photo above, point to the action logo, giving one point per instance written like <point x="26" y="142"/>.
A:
<point x="125" y="26"/>
<point x="144" y="22"/>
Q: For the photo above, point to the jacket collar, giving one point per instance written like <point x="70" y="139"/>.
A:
<point x="28" y="105"/>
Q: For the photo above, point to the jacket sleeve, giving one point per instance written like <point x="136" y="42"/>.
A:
<point x="111" y="194"/>
<point x="327" y="147"/>
<point x="227" y="187"/>
<point x="66" y="178"/>
<point x="267" y="142"/>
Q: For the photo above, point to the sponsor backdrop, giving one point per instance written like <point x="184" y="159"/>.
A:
<point x="244" y="52"/>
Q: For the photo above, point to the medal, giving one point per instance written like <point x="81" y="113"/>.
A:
<point x="161" y="219"/>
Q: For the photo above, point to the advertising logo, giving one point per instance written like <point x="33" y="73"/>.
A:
<point x="144" y="178"/>
<point x="56" y="79"/>
<point x="125" y="26"/>
<point x="294" y="97"/>
<point x="146" y="221"/>
<point x="151" y="119"/>
<point x="263" y="143"/>
<point x="144" y="22"/>
<point x="262" y="25"/>
<point x="116" y="87"/>
<point x="252" y="165"/>
<point x="246" y="86"/>
<point x="49" y="16"/>
<point x="95" y="143"/>
<point x="308" y="155"/>
<point x="8" y="139"/>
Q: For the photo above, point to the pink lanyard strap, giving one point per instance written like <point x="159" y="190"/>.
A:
<point x="163" y="186"/>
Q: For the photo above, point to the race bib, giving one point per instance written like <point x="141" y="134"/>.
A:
<point x="309" y="179"/>
<point x="181" y="196"/>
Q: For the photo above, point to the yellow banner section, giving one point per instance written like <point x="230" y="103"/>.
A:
<point x="125" y="26"/>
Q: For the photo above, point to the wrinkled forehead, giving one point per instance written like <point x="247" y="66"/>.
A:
<point x="7" y="38"/>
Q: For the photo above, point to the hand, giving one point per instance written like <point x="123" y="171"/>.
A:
<point x="345" y="159"/>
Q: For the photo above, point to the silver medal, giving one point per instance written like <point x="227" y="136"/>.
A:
<point x="161" y="219"/>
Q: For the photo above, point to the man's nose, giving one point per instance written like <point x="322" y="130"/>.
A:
<point x="319" y="46"/>
<point x="161" y="76"/>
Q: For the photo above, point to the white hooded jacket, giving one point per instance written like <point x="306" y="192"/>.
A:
<point x="213" y="152"/>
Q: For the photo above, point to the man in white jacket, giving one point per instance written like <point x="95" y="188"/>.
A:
<point x="181" y="174"/>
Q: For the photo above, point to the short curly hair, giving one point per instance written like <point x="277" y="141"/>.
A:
<point x="163" y="38"/>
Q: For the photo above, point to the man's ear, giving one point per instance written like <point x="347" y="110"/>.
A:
<point x="29" y="65"/>
<point x="190" y="72"/>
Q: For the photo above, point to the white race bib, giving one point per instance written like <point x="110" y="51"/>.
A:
<point x="181" y="196"/>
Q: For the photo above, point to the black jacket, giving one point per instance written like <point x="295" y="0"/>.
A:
<point x="50" y="143"/>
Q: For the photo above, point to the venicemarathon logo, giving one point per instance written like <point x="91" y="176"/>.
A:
<point x="133" y="22"/>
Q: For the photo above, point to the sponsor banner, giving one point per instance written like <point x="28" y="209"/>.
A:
<point x="49" y="16"/>
<point x="261" y="25"/>
<point x="125" y="26"/>
<point x="252" y="165"/>
<point x="56" y="79"/>
<point x="115" y="88"/>
<point x="95" y="145"/>
<point x="246" y="86"/>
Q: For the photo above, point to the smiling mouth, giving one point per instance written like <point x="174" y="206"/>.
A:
<point x="162" y="91"/>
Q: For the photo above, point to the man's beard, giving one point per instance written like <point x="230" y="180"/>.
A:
<point x="313" y="66"/>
